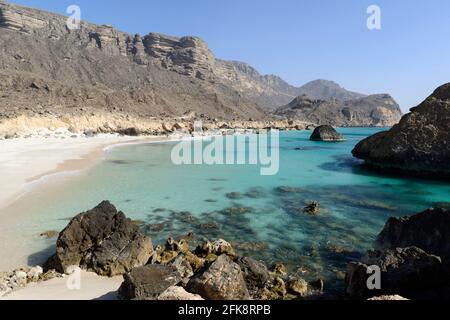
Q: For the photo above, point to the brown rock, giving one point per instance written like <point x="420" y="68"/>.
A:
<point x="102" y="240"/>
<point x="222" y="280"/>
<point x="148" y="282"/>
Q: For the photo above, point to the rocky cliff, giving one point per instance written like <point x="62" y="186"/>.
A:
<point x="48" y="70"/>
<point x="374" y="110"/>
<point x="419" y="144"/>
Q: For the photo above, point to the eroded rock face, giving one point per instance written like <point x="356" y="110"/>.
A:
<point x="418" y="144"/>
<point x="104" y="69"/>
<point x="101" y="240"/>
<point x="187" y="55"/>
<point x="326" y="133"/>
<point x="148" y="282"/>
<point x="428" y="230"/>
<point x="373" y="111"/>
<point x="19" y="20"/>
<point x="409" y="272"/>
<point x="222" y="280"/>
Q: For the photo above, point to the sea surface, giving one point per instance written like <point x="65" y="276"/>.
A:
<point x="261" y="215"/>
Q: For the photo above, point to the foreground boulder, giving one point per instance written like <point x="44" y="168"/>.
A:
<point x="419" y="144"/>
<point x="428" y="230"/>
<point x="256" y="274"/>
<point x="101" y="240"/>
<point x="148" y="282"/>
<point x="222" y="280"/>
<point x="409" y="272"/>
<point x="326" y="133"/>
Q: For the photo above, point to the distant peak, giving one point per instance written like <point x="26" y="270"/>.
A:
<point x="323" y="82"/>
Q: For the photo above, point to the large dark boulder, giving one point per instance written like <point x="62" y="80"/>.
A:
<point x="419" y="144"/>
<point x="255" y="272"/>
<point x="148" y="282"/>
<point x="222" y="280"/>
<point x="409" y="272"/>
<point x="428" y="230"/>
<point x="326" y="133"/>
<point x="101" y="240"/>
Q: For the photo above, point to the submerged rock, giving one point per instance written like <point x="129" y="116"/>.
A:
<point x="255" y="193"/>
<point x="148" y="282"/>
<point x="208" y="226"/>
<point x="251" y="246"/>
<point x="418" y="144"/>
<point x="222" y="280"/>
<point x="236" y="210"/>
<point x="312" y="209"/>
<point x="49" y="234"/>
<point x="287" y="189"/>
<point x="102" y="240"/>
<point x="234" y="195"/>
<point x="326" y="133"/>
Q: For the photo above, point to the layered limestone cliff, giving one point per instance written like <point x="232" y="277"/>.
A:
<point x="48" y="69"/>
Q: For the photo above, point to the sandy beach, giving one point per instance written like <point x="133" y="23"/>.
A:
<point x="92" y="287"/>
<point x="27" y="163"/>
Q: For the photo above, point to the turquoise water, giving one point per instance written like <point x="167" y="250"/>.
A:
<point x="261" y="221"/>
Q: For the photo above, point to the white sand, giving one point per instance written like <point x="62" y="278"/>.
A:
<point x="26" y="161"/>
<point x="92" y="287"/>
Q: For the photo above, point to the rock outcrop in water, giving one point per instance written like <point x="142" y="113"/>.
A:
<point x="419" y="144"/>
<point x="428" y="230"/>
<point x="406" y="271"/>
<point x="326" y="133"/>
<point x="101" y="240"/>
<point x="413" y="256"/>
<point x="55" y="74"/>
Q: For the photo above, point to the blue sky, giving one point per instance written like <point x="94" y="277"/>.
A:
<point x="302" y="40"/>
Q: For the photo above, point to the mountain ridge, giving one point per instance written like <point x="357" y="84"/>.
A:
<point x="104" y="69"/>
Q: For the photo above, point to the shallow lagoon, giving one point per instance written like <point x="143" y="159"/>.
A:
<point x="236" y="203"/>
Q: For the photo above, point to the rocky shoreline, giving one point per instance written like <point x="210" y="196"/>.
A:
<point x="418" y="145"/>
<point x="24" y="127"/>
<point x="412" y="254"/>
